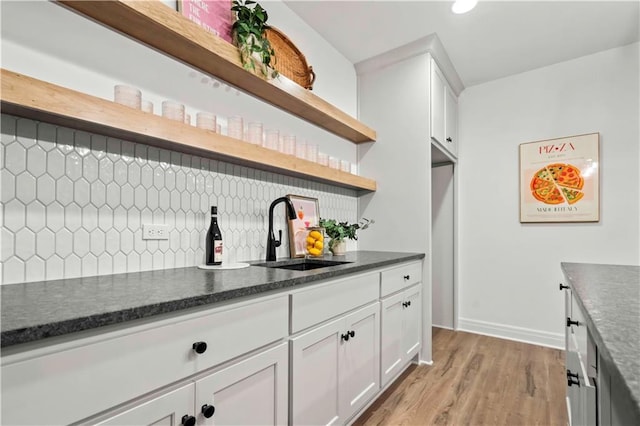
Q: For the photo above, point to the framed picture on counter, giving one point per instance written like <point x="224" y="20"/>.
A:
<point x="213" y="15"/>
<point x="560" y="180"/>
<point x="307" y="214"/>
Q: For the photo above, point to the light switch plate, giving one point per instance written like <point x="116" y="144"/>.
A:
<point x="155" y="232"/>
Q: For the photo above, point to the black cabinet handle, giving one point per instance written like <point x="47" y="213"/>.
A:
<point x="572" y="378"/>
<point x="208" y="410"/>
<point x="407" y="277"/>
<point x="188" y="420"/>
<point x="449" y="140"/>
<point x="570" y="323"/>
<point x="562" y="286"/>
<point x="199" y="347"/>
<point x="349" y="334"/>
<point x="406" y="304"/>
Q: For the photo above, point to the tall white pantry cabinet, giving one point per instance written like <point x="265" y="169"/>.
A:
<point x="396" y="94"/>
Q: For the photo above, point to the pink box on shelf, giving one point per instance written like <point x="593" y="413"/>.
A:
<point x="212" y="15"/>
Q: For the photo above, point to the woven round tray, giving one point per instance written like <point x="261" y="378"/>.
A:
<point x="289" y="61"/>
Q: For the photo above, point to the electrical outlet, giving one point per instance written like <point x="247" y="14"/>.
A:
<point x="155" y="232"/>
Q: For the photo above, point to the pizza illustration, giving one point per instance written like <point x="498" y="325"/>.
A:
<point x="557" y="183"/>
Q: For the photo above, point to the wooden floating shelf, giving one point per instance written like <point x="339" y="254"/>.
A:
<point x="158" y="26"/>
<point x="31" y="98"/>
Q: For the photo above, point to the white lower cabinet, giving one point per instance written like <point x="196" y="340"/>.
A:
<point x="335" y="368"/>
<point x="249" y="392"/>
<point x="581" y="367"/>
<point x="400" y="331"/>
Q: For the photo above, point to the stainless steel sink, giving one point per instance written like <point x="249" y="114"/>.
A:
<point x="301" y="264"/>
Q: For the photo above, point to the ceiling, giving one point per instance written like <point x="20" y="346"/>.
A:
<point x="494" y="40"/>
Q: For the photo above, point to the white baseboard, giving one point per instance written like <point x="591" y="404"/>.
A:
<point x="519" y="334"/>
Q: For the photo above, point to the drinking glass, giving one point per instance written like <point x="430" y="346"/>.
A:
<point x="235" y="127"/>
<point x="255" y="133"/>
<point x="127" y="95"/>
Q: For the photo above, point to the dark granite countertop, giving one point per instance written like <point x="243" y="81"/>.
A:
<point x="610" y="298"/>
<point x="34" y="311"/>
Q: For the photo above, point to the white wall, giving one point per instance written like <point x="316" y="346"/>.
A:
<point x="509" y="272"/>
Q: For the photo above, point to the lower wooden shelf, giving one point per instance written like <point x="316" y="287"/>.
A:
<point x="32" y="98"/>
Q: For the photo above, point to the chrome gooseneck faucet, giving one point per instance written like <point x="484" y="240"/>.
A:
<point x="272" y="243"/>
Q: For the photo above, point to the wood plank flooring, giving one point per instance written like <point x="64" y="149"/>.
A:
<point x="476" y="380"/>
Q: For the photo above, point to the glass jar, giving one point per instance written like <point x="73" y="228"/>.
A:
<point x="314" y="244"/>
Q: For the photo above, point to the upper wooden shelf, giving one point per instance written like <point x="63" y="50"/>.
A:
<point x="155" y="24"/>
<point x="28" y="97"/>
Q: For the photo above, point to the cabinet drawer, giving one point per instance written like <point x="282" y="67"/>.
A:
<point x="398" y="278"/>
<point x="316" y="305"/>
<point x="82" y="378"/>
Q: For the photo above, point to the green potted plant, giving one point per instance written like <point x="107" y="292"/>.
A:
<point x="249" y="36"/>
<point x="338" y="231"/>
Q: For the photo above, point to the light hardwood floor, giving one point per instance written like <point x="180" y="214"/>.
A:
<point x="476" y="380"/>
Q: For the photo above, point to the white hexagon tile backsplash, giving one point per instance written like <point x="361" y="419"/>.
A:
<point x="73" y="204"/>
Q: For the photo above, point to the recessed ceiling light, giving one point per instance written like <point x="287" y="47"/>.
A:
<point x="463" y="6"/>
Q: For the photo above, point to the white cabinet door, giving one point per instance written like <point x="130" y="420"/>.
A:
<point x="401" y="331"/>
<point x="315" y="375"/>
<point x="167" y="410"/>
<point x="250" y="392"/>
<point x="412" y="321"/>
<point x="437" y="104"/>
<point x="359" y="362"/>
<point x="451" y="121"/>
<point x="335" y="368"/>
<point x="391" y="345"/>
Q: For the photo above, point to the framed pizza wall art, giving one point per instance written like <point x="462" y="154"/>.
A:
<point x="560" y="180"/>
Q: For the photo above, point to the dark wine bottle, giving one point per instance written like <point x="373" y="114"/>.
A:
<point x="214" y="240"/>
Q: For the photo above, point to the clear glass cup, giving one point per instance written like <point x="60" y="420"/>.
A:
<point x="323" y="159"/>
<point x="173" y="111"/>
<point x="301" y="150"/>
<point x="254" y="130"/>
<point x="345" y="166"/>
<point x="207" y="121"/>
<point x="312" y="152"/>
<point x="127" y="95"/>
<point x="334" y="163"/>
<point x="187" y="119"/>
<point x="272" y="139"/>
<point x="289" y="145"/>
<point x="235" y="127"/>
<point x="146" y="106"/>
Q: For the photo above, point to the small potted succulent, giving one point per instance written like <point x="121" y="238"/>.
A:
<point x="339" y="231"/>
<point x="249" y="36"/>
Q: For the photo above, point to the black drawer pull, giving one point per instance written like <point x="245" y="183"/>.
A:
<point x="407" y="277"/>
<point x="570" y="322"/>
<point x="208" y="410"/>
<point x="188" y="420"/>
<point x="199" y="347"/>
<point x="572" y="378"/>
<point x="562" y="286"/>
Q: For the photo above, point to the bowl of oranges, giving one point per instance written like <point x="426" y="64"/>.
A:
<point x="314" y="243"/>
